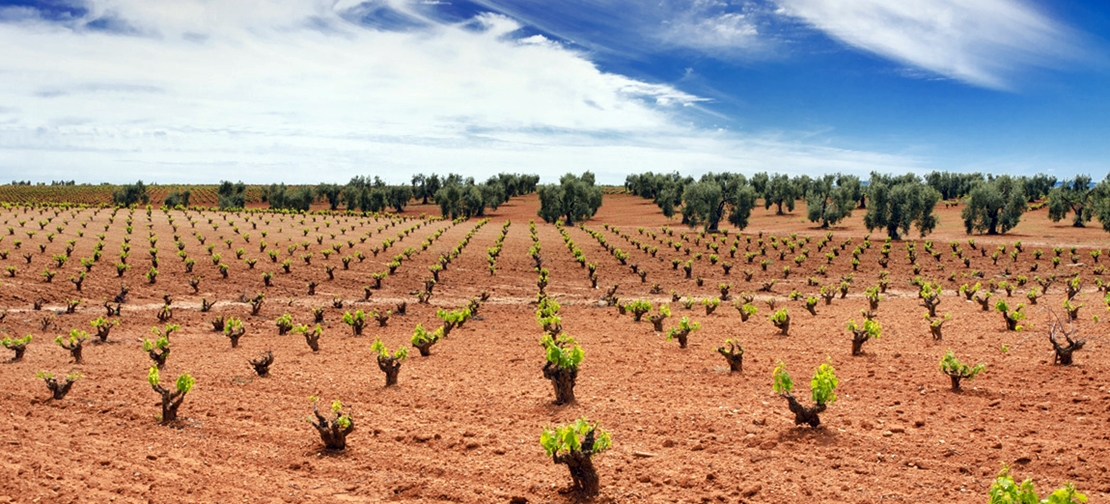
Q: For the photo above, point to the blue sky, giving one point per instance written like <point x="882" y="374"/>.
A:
<point x="310" y="91"/>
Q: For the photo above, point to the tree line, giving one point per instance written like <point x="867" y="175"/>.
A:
<point x="895" y="204"/>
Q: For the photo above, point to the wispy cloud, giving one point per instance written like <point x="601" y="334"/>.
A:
<point x="310" y="91"/>
<point x="981" y="42"/>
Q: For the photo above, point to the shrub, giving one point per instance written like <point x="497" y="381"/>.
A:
<point x="158" y="350"/>
<point x="332" y="432"/>
<point x="873" y="297"/>
<point x="256" y="303"/>
<point x="957" y="370"/>
<point x="746" y="310"/>
<point x="870" y="329"/>
<point x="1063" y="355"/>
<point x="638" y="308"/>
<point x="734" y="354"/>
<point x="234" y="330"/>
<point x="356" y="320"/>
<point x="284" y="324"/>
<point x="1012" y="317"/>
<point x="74" y="343"/>
<point x="574" y="444"/>
<point x="811" y="305"/>
<point x="423" y="340"/>
<point x="1005" y="490"/>
<point x="452" y="319"/>
<point x="171" y="400"/>
<point x="935" y="324"/>
<point x="682" y="331"/>
<point x="711" y="304"/>
<point x="930" y="297"/>
<point x="390" y="364"/>
<point x="563" y="357"/>
<point x="547" y="315"/>
<point x="19" y="346"/>
<point x="58" y="391"/>
<point x="262" y="364"/>
<point x="381" y="317"/>
<point x="822" y="388"/>
<point x="312" y="338"/>
<point x="658" y="317"/>
<point x="781" y="320"/>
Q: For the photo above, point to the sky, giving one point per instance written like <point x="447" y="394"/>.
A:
<point x="308" y="91"/>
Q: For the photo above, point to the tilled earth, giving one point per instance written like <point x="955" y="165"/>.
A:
<point x="463" y="424"/>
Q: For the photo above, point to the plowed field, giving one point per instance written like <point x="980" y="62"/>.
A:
<point x="463" y="424"/>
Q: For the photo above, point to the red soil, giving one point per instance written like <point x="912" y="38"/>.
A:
<point x="463" y="424"/>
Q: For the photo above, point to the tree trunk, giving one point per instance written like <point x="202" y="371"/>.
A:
<point x="581" y="471"/>
<point x="857" y="343"/>
<point x="562" y="379"/>
<point x="802" y="414"/>
<point x="391" y="367"/>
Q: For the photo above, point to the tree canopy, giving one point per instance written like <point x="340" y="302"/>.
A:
<point x="995" y="206"/>
<point x="131" y="194"/>
<point x="705" y="201"/>
<point x="231" y="195"/>
<point x="831" y="198"/>
<point x="573" y="199"/>
<point x="1072" y="196"/>
<point x="781" y="191"/>
<point x="899" y="202"/>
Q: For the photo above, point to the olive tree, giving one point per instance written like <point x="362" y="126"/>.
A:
<point x="994" y="206"/>
<point x="899" y="202"/>
<point x="831" y="198"/>
<point x="1073" y="196"/>
<point x="231" y="195"/>
<point x="573" y="199"/>
<point x="779" y="191"/>
<point x="705" y="202"/>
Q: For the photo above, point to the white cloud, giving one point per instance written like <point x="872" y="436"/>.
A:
<point x="981" y="42"/>
<point x="281" y="90"/>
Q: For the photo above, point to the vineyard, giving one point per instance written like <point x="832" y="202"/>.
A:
<point x="229" y="356"/>
<point x="101" y="194"/>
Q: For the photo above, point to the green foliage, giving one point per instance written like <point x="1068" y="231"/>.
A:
<point x="9" y="342"/>
<point x="898" y="203"/>
<point x="547" y="314"/>
<point x="564" y="352"/>
<point x="284" y="323"/>
<point x="231" y="196"/>
<point x="574" y="199"/>
<point x="454" y="317"/>
<point x="1075" y="196"/>
<point x="356" y="319"/>
<point x="420" y="336"/>
<point x="951" y="366"/>
<point x="160" y="344"/>
<point x="783" y="383"/>
<point x="832" y="198"/>
<point x="569" y="438"/>
<point x="684" y="326"/>
<point x="779" y="190"/>
<point x="76" y="336"/>
<point x="130" y="194"/>
<point x="379" y="348"/>
<point x="234" y="326"/>
<point x="823" y="384"/>
<point x="869" y="327"/>
<point x="1005" y="490"/>
<point x="995" y="206"/>
<point x="705" y="202"/>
